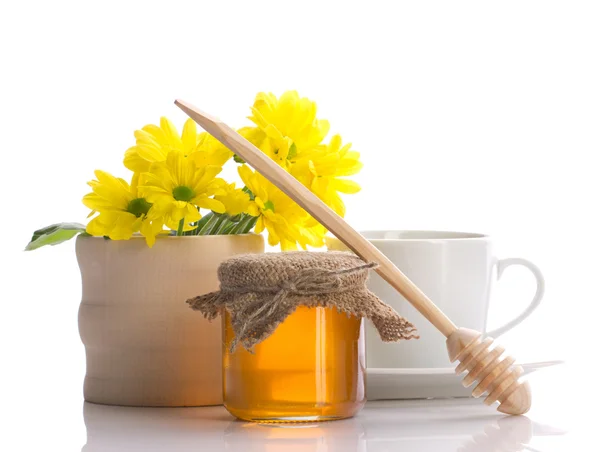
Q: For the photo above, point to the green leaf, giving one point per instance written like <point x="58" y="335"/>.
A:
<point x="54" y="234"/>
<point x="237" y="159"/>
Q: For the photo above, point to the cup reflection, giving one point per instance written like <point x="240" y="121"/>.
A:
<point x="461" y="425"/>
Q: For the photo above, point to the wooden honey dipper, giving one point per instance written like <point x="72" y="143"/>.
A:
<point x="496" y="376"/>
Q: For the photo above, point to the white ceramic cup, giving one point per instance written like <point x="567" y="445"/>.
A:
<point x="455" y="270"/>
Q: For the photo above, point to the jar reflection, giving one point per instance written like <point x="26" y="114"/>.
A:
<point x="343" y="436"/>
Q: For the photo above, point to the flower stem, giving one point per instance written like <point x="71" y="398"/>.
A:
<point x="235" y="228"/>
<point x="244" y="225"/>
<point x="180" y="229"/>
<point x="202" y="222"/>
<point x="214" y="230"/>
<point x="205" y="230"/>
<point x="228" y="228"/>
<point x="249" y="224"/>
<point x="224" y="225"/>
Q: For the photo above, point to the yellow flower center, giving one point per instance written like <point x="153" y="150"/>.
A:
<point x="183" y="193"/>
<point x="292" y="152"/>
<point x="138" y="207"/>
<point x="269" y="206"/>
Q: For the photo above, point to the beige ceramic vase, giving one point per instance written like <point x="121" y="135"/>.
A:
<point x="144" y="345"/>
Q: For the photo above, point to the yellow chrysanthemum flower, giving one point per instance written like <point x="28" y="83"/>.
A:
<point x="285" y="127"/>
<point x="153" y="144"/>
<point x="283" y="219"/>
<point x="122" y="211"/>
<point x="235" y="200"/>
<point x="321" y="170"/>
<point x="288" y="130"/>
<point x="179" y="186"/>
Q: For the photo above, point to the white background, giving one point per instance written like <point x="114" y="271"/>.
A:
<point x="470" y="115"/>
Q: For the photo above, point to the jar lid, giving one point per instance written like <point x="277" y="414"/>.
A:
<point x="261" y="290"/>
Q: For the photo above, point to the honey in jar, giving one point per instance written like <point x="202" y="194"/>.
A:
<point x="311" y="368"/>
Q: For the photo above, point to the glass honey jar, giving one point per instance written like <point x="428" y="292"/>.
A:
<point x="312" y="368"/>
<point x="293" y="334"/>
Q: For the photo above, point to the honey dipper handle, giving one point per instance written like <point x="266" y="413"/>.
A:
<point x="322" y="213"/>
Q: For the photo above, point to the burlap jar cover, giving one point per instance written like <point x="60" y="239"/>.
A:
<point x="261" y="290"/>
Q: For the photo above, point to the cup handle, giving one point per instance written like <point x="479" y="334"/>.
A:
<point x="503" y="264"/>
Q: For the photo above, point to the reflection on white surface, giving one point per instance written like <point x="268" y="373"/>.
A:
<point x="424" y="425"/>
<point x="448" y="425"/>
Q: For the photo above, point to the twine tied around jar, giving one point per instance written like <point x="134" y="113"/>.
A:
<point x="260" y="291"/>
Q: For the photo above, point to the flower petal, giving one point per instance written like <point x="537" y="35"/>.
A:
<point x="345" y="186"/>
<point x="134" y="162"/>
<point x="189" y="136"/>
<point x="209" y="203"/>
<point x="171" y="134"/>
